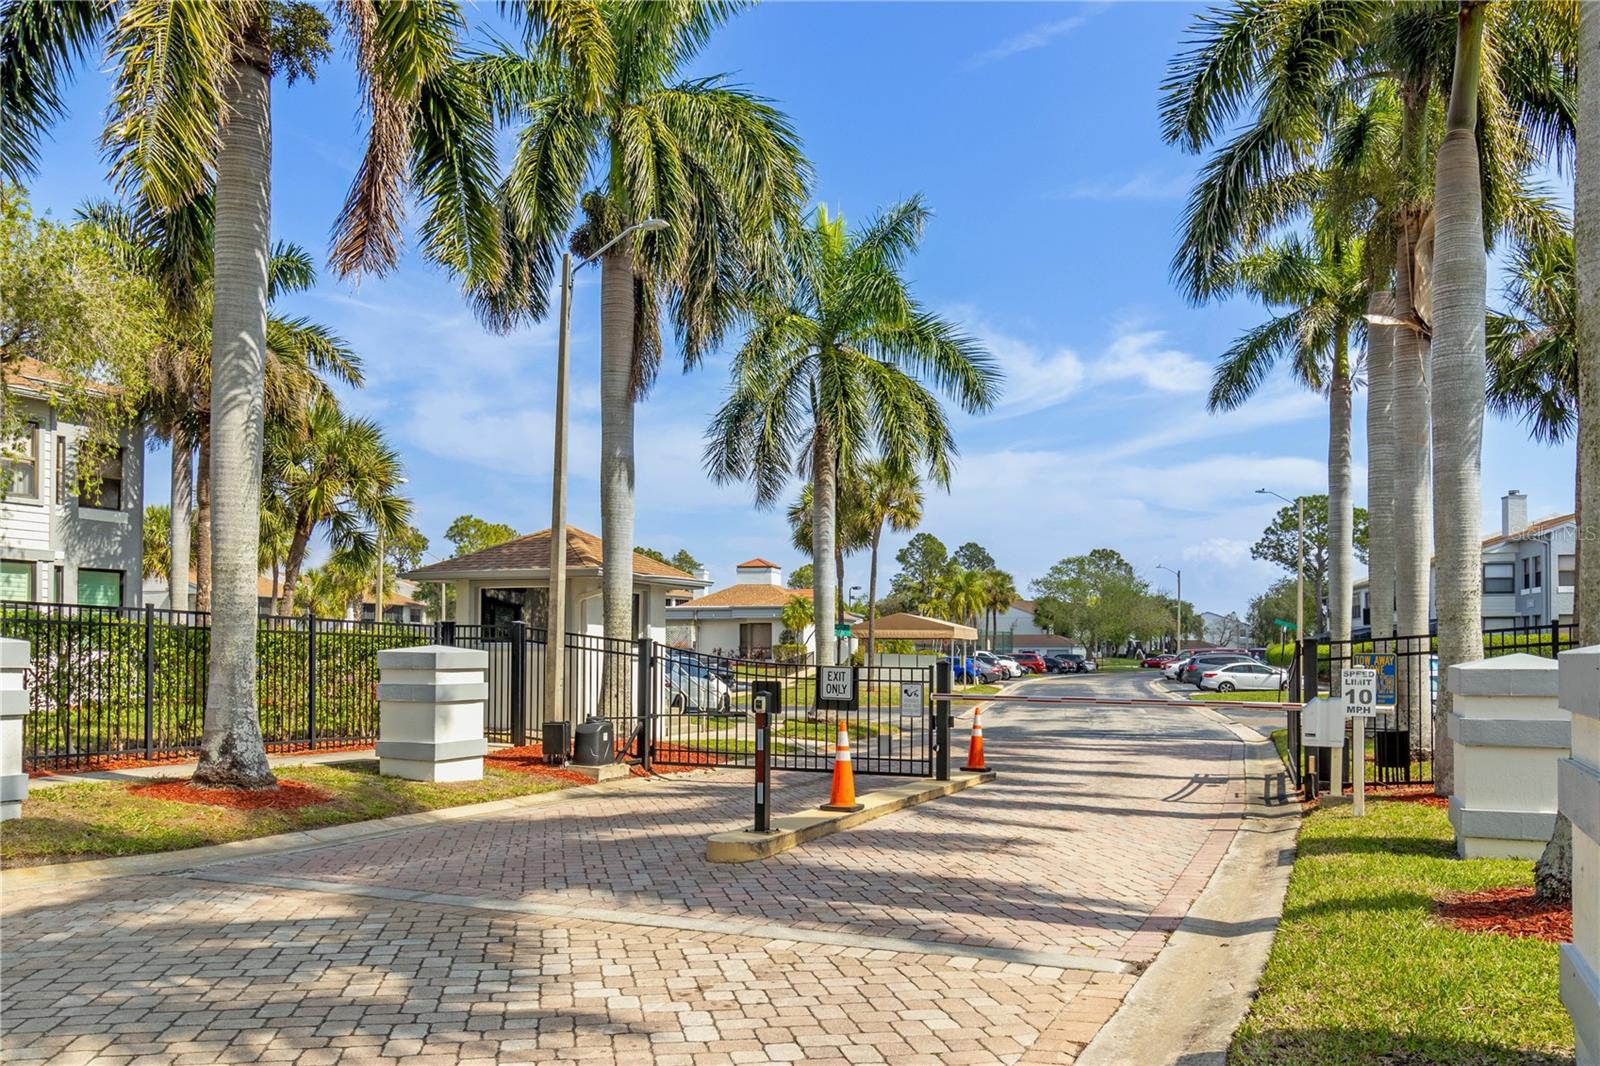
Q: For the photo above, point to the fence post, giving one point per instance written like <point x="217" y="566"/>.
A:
<point x="447" y="633"/>
<point x="311" y="677"/>
<point x="1555" y="638"/>
<point x="645" y="697"/>
<point x="149" y="681"/>
<point x="943" y="679"/>
<point x="519" y="683"/>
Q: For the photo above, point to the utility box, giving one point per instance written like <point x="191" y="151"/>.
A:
<point x="596" y="743"/>
<point x="1322" y="723"/>
<point x="557" y="742"/>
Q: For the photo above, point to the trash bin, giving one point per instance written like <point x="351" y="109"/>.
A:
<point x="596" y="745"/>
<point x="557" y="742"/>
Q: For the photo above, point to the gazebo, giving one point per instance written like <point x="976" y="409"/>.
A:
<point x="942" y="635"/>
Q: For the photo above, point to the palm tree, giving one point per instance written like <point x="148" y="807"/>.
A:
<point x="833" y="367"/>
<point x="961" y="595"/>
<point x="191" y="100"/>
<point x="796" y="616"/>
<point x="1002" y="593"/>
<point x="1586" y="240"/>
<point x="883" y="496"/>
<point x="337" y="472"/>
<point x="1324" y="286"/>
<point x="852" y="532"/>
<point x="173" y="248"/>
<point x="720" y="165"/>
<point x="1460" y="277"/>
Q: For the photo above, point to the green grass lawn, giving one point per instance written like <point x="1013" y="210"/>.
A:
<point x="1280" y="740"/>
<point x="1119" y="664"/>
<point x="824" y="730"/>
<point x="1361" y="972"/>
<point x="1267" y="695"/>
<point x="95" y="820"/>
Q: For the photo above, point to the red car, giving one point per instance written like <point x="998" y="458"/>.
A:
<point x="1157" y="661"/>
<point x="1029" y="660"/>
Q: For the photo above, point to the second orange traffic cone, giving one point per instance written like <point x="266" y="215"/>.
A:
<point x="844" y="779"/>
<point x="975" y="748"/>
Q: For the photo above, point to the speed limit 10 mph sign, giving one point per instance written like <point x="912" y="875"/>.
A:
<point x="1358" y="691"/>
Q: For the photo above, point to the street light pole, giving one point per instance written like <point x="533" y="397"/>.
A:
<point x="1300" y="566"/>
<point x="1178" y="646"/>
<point x="555" y="625"/>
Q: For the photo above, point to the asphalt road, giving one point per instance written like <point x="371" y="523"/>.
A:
<point x="1143" y="684"/>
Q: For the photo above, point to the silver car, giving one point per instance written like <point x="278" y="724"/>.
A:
<point x="691" y="688"/>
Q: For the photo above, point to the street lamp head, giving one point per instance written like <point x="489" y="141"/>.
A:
<point x="651" y="224"/>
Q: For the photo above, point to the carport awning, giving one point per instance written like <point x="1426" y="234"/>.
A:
<point x="907" y="626"/>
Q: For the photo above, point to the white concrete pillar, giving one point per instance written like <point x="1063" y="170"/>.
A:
<point x="14" y="660"/>
<point x="1508" y="731"/>
<point x="430" y="713"/>
<point x="1578" y="792"/>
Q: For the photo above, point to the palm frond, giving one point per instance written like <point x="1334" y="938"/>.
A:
<point x="40" y="42"/>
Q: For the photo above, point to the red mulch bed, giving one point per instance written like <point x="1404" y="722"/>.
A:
<point x="97" y="763"/>
<point x="287" y="796"/>
<point x="1508" y="912"/>
<point x="1422" y="794"/>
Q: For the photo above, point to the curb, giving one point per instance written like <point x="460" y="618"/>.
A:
<point x="161" y="862"/>
<point x="792" y="830"/>
<point x="1187" y="1004"/>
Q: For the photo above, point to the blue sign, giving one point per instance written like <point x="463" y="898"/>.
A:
<point x="1383" y="663"/>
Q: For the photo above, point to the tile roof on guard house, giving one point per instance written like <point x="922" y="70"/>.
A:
<point x="509" y="582"/>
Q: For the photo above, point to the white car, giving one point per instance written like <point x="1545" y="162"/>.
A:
<point x="1001" y="665"/>
<point x="1175" y="667"/>
<point x="1011" y="665"/>
<point x="1248" y="676"/>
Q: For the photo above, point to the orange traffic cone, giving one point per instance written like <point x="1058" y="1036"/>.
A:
<point x="844" y="779"/>
<point x="975" y="748"/>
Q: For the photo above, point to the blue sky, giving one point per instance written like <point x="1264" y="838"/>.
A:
<point x="1031" y="129"/>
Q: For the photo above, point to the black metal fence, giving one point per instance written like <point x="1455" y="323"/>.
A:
<point x="117" y="683"/>
<point x="130" y="683"/>
<point x="1400" y="741"/>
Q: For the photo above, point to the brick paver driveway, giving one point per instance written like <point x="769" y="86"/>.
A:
<point x="1001" y="924"/>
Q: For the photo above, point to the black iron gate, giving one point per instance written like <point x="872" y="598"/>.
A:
<point x="706" y="715"/>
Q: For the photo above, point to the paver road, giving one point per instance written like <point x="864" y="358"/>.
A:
<point x="1002" y="924"/>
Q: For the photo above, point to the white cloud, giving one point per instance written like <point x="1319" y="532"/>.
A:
<point x="1141" y="186"/>
<point x="1140" y="356"/>
<point x="1226" y="551"/>
<point x="1030" y="39"/>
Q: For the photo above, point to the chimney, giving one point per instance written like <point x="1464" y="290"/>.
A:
<point x="1513" y="513"/>
<point x="758" y="572"/>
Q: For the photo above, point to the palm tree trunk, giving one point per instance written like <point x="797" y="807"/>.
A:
<point x="1459" y="284"/>
<point x="202" y="516"/>
<point x="1380" y="466"/>
<point x="231" y="750"/>
<point x="1553" y="873"/>
<point x="293" y="562"/>
<point x="1341" y="513"/>
<point x="1411" y="410"/>
<point x="182" y="515"/>
<point x="1586" y="238"/>
<point x="824" y="519"/>
<point x="616" y="461"/>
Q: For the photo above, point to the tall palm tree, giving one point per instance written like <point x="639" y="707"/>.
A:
<point x="833" y="369"/>
<point x="1460" y="276"/>
<point x="961" y="595"/>
<point x="191" y="102"/>
<point x="852" y="530"/>
<point x="1380" y="463"/>
<point x="1002" y="593"/>
<point x="720" y="165"/>
<point x="336" y="472"/>
<point x="1533" y="348"/>
<point x="1323" y="285"/>
<point x="885" y="497"/>
<point x="1586" y="241"/>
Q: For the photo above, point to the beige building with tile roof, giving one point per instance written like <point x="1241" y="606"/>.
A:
<point x="744" y="619"/>
<point x="510" y="582"/>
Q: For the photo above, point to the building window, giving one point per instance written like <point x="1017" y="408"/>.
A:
<point x="16" y="580"/>
<point x="1566" y="572"/>
<point x="61" y="468"/>
<point x="100" y="588"/>
<point x="500" y="607"/>
<point x="1490" y="624"/>
<point x="21" y="464"/>
<point x="58" y="584"/>
<point x="1499" y="577"/>
<point x="105" y="492"/>
<point x="1538" y="574"/>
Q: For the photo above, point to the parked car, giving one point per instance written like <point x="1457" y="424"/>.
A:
<point x="1157" y="661"/>
<point x="1235" y="676"/>
<point x="999" y="666"/>
<point x="1030" y="661"/>
<point x="1080" y="664"/>
<point x="694" y="689"/>
<point x="1200" y="663"/>
<point x="1175" y="667"/>
<point x="1013" y="667"/>
<point x="1057" y="663"/>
